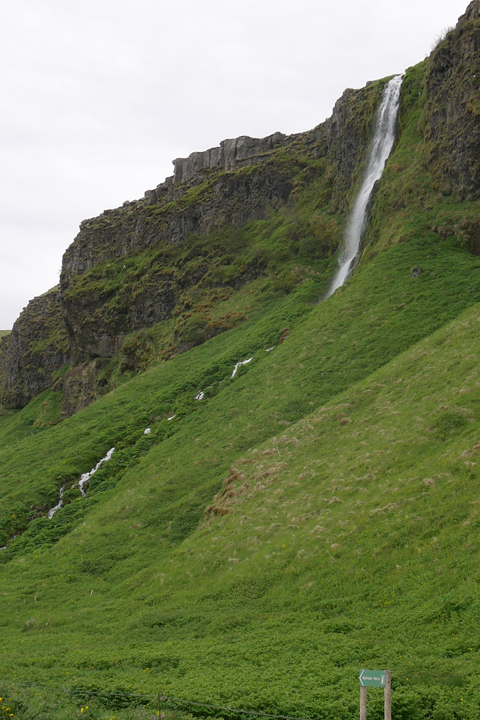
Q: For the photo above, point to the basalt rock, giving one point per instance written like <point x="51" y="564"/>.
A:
<point x="453" y="108"/>
<point x="36" y="348"/>
<point x="80" y="387"/>
<point x="227" y="199"/>
<point x="231" y="154"/>
<point x="97" y="322"/>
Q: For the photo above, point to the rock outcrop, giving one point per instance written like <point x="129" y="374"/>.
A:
<point x="225" y="199"/>
<point x="453" y="109"/>
<point x="471" y="13"/>
<point x="228" y="155"/>
<point x="36" y="348"/>
<point x="231" y="154"/>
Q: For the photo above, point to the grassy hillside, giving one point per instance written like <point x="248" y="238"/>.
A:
<point x="342" y="492"/>
<point x="330" y="346"/>
<point x="279" y="527"/>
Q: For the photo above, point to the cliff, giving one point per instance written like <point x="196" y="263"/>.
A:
<point x="160" y="264"/>
<point x="229" y="185"/>
<point x="34" y="351"/>
<point x="453" y="108"/>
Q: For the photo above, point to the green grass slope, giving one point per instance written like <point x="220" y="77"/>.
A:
<point x="341" y="527"/>
<point x="330" y="346"/>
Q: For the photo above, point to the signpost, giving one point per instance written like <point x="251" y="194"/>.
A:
<point x="375" y="678"/>
<point x="372" y="678"/>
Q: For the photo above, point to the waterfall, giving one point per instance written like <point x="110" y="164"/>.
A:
<point x="382" y="144"/>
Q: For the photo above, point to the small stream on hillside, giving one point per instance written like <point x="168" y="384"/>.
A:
<point x="86" y="476"/>
<point x="84" y="479"/>
<point x="382" y="144"/>
<point x="80" y="484"/>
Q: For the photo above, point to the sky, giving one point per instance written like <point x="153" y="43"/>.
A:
<point x="97" y="97"/>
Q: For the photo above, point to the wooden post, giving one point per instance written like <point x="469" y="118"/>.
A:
<point x="388" y="695"/>
<point x="363" y="703"/>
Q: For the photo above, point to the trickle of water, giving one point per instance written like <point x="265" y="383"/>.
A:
<point x="239" y="364"/>
<point x="382" y="143"/>
<point x="86" y="476"/>
<point x="53" y="510"/>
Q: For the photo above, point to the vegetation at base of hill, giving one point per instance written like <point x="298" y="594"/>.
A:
<point x="242" y="602"/>
<point x="43" y="703"/>
<point x="277" y="530"/>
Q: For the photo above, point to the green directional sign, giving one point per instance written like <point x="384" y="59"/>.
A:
<point x="372" y="678"/>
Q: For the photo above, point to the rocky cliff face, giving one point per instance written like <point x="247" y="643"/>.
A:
<point x="36" y="348"/>
<point x="224" y="199"/>
<point x="453" y="108"/>
<point x="230" y="154"/>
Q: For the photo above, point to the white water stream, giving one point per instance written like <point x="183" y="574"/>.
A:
<point x="239" y="364"/>
<point x="86" y="476"/>
<point x="84" y="479"/>
<point x="59" y="505"/>
<point x="382" y="144"/>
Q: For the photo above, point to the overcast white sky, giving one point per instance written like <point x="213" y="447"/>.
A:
<point x="97" y="97"/>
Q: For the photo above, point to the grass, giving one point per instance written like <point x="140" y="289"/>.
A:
<point x="220" y="607"/>
<point x="315" y="514"/>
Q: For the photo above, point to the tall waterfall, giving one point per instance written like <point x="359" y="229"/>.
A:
<point x="382" y="144"/>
